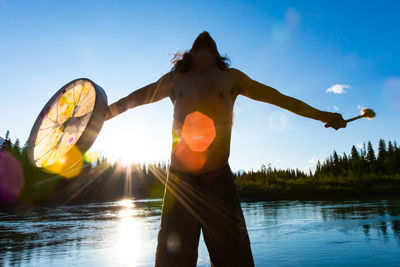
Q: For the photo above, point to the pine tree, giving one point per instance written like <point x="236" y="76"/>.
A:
<point x="381" y="150"/>
<point x="381" y="155"/>
<point x="355" y="161"/>
<point x="335" y="167"/>
<point x="396" y="158"/>
<point x="24" y="150"/>
<point x="389" y="159"/>
<point x="345" y="164"/>
<point x="370" y="153"/>
<point x="354" y="153"/>
<point x="363" y="151"/>
<point x="7" y="145"/>
<point x="16" y="149"/>
<point x="371" y="157"/>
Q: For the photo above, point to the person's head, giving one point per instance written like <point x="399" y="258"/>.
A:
<point x="204" y="43"/>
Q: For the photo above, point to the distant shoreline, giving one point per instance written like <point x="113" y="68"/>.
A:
<point x="315" y="195"/>
<point x="321" y="188"/>
<point x="363" y="174"/>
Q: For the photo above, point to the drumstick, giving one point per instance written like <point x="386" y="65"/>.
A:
<point x="365" y="113"/>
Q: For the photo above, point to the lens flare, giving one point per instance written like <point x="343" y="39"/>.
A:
<point x="11" y="177"/>
<point x="91" y="156"/>
<point x="193" y="161"/>
<point x="189" y="146"/>
<point x="67" y="165"/>
<point x="173" y="243"/>
<point x="175" y="139"/>
<point x="198" y="131"/>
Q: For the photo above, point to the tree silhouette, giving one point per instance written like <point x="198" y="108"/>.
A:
<point x="106" y="181"/>
<point x="7" y="145"/>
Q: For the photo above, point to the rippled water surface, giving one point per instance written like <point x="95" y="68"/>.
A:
<point x="282" y="233"/>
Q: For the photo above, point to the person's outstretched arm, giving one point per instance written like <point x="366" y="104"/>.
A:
<point x="145" y="95"/>
<point x="258" y="91"/>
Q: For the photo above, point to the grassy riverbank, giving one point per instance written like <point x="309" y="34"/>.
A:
<point x="252" y="186"/>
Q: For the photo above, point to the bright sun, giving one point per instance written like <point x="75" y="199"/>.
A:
<point x="129" y="144"/>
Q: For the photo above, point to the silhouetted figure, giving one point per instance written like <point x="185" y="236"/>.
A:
<point x="200" y="192"/>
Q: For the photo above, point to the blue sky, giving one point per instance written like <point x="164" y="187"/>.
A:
<point x="301" y="48"/>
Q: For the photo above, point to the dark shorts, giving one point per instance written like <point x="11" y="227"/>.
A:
<point x="207" y="202"/>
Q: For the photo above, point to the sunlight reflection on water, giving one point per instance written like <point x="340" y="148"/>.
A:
<point x="130" y="236"/>
<point x="282" y="233"/>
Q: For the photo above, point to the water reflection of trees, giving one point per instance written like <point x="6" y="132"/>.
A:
<point x="378" y="217"/>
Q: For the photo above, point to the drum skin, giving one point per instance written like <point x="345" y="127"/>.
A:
<point x="90" y="132"/>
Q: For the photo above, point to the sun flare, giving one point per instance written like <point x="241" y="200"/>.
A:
<point x="132" y="145"/>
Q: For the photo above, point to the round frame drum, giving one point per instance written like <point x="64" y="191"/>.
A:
<point x="67" y="126"/>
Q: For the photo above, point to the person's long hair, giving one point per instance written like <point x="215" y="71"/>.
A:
<point x="182" y="61"/>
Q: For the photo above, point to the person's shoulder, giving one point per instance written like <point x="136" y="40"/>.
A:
<point x="168" y="77"/>
<point x="232" y="70"/>
<point x="235" y="72"/>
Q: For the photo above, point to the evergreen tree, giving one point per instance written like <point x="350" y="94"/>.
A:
<point x="381" y="150"/>
<point x="355" y="161"/>
<point x="396" y="158"/>
<point x="16" y="149"/>
<point x="389" y="159"/>
<point x="345" y="164"/>
<point x="371" y="159"/>
<point x="24" y="150"/>
<point x="363" y="151"/>
<point x="354" y="153"/>
<point x="7" y="145"/>
<point x="370" y="153"/>
<point x="335" y="166"/>
<point x="318" y="168"/>
<point x="390" y="149"/>
<point x="381" y="155"/>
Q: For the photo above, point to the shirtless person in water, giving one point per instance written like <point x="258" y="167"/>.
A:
<point x="200" y="193"/>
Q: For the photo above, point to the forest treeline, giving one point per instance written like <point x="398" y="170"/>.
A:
<point x="362" y="173"/>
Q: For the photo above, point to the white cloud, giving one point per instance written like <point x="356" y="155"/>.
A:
<point x="335" y="108"/>
<point x="338" y="88"/>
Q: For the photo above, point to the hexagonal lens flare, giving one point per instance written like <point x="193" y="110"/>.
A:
<point x="198" y="131"/>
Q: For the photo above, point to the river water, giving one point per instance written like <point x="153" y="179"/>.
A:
<point x="282" y="233"/>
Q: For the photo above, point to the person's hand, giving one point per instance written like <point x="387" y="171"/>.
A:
<point x="335" y="121"/>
